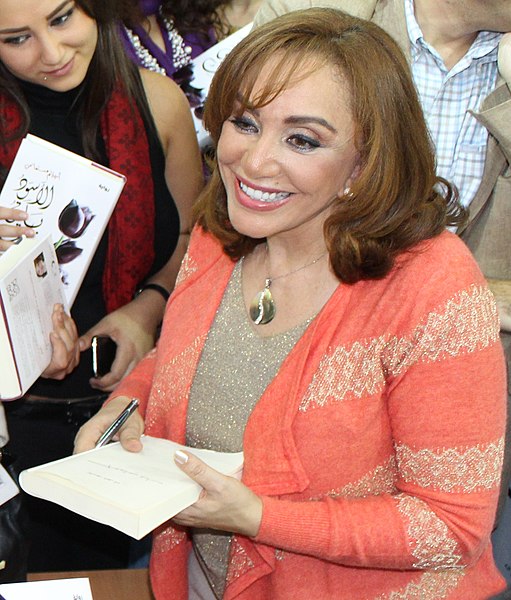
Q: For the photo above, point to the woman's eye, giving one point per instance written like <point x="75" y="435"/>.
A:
<point x="303" y="143"/>
<point x="61" y="19"/>
<point x="16" y="40"/>
<point x="244" y="124"/>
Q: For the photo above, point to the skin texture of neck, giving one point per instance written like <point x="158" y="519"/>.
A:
<point x="446" y="27"/>
<point x="238" y="13"/>
<point x="150" y="24"/>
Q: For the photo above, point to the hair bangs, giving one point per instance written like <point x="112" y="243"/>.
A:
<point x="283" y="60"/>
<point x="290" y="67"/>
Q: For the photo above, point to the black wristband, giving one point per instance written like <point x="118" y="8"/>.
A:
<point x="153" y="286"/>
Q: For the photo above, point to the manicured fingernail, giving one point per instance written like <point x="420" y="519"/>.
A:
<point x="180" y="457"/>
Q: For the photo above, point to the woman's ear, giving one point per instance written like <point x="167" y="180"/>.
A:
<point x="346" y="191"/>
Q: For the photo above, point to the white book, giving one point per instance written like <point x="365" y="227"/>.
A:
<point x="67" y="196"/>
<point x="204" y="67"/>
<point x="133" y="492"/>
<point x="30" y="285"/>
<point x="53" y="589"/>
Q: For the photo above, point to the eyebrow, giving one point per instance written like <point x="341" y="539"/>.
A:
<point x="298" y="119"/>
<point x="48" y="18"/>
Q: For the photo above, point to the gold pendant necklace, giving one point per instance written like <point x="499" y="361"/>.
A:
<point x="262" y="308"/>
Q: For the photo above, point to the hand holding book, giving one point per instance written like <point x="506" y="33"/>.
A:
<point x="210" y="495"/>
<point x="64" y="341"/>
<point x="138" y="491"/>
<point x="12" y="231"/>
<point x="225" y="504"/>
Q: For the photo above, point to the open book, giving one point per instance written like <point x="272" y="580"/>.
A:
<point x="67" y="196"/>
<point x="133" y="492"/>
<point x="30" y="286"/>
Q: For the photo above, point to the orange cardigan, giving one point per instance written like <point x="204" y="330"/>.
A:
<point x="376" y="449"/>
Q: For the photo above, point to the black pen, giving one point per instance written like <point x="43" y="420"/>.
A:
<point x="117" y="424"/>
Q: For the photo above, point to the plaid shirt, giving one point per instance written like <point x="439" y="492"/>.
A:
<point x="448" y="97"/>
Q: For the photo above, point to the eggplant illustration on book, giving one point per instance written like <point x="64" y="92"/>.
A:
<point x="74" y="219"/>
<point x="66" y="250"/>
<point x="72" y="222"/>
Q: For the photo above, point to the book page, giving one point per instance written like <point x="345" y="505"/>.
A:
<point x="53" y="589"/>
<point x="67" y="196"/>
<point x="28" y="291"/>
<point x="135" y="483"/>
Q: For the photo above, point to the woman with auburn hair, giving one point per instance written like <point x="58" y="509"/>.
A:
<point x="64" y="77"/>
<point x="340" y="337"/>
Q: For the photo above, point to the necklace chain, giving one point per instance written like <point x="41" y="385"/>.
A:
<point x="262" y="308"/>
<point x="271" y="279"/>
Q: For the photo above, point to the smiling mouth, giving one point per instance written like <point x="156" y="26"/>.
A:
<point x="64" y="68"/>
<point x="263" y="196"/>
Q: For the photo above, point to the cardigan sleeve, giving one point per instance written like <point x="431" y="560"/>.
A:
<point x="202" y="250"/>
<point x="139" y="382"/>
<point x="445" y="399"/>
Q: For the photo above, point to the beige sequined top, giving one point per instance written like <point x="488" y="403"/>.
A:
<point x="235" y="368"/>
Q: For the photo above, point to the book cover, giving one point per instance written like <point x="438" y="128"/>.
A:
<point x="30" y="286"/>
<point x="67" y="196"/>
<point x="203" y="68"/>
<point x="133" y="492"/>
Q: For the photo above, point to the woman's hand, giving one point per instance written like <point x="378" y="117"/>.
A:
<point x="64" y="340"/>
<point x="133" y="328"/>
<point x="224" y="504"/>
<point x="129" y="434"/>
<point x="12" y="231"/>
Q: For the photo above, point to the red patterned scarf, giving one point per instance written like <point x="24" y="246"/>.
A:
<point x="130" y="250"/>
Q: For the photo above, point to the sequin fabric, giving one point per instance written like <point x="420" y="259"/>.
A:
<point x="240" y="562"/>
<point x="428" y="586"/>
<point x="223" y="395"/>
<point x="451" y="469"/>
<point x="172" y="376"/>
<point x="381" y="480"/>
<point x="432" y="544"/>
<point x="466" y="322"/>
<point x="167" y="539"/>
<point x="188" y="267"/>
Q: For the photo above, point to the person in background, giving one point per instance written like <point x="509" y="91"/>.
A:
<point x="340" y="336"/>
<point x="164" y="36"/>
<point x="64" y="77"/>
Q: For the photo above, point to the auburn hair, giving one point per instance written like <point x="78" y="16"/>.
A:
<point x="397" y="200"/>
